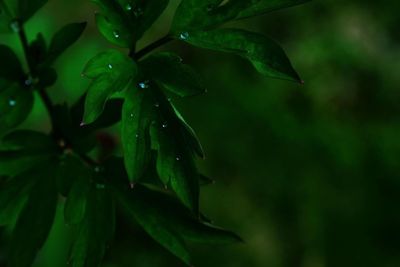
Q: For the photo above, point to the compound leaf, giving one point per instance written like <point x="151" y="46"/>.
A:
<point x="264" y="53"/>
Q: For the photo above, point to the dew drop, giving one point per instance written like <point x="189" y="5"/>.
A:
<point x="82" y="124"/>
<point x="110" y="66"/>
<point x="12" y="102"/>
<point x="129" y="7"/>
<point x="132" y="115"/>
<point x="132" y="185"/>
<point x="116" y="34"/>
<point x="144" y="84"/>
<point x="184" y="36"/>
<point x="165" y="125"/>
<point x="157" y="105"/>
<point x="28" y="82"/>
<point x="15" y="26"/>
<point x="178" y="158"/>
<point x="169" y="99"/>
<point x="136" y="135"/>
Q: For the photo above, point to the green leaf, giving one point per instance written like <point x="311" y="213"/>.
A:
<point x="168" y="70"/>
<point x="111" y="115"/>
<point x="95" y="231"/>
<point x="5" y="17"/>
<point x="112" y="71"/>
<point x="13" y="196"/>
<point x="123" y="22"/>
<point x="206" y="14"/>
<point x="264" y="53"/>
<point x="147" y="13"/>
<point x="76" y="203"/>
<point x="10" y="66"/>
<point x="266" y="6"/>
<point x="168" y="221"/>
<point x="69" y="170"/>
<point x="64" y="38"/>
<point x="15" y="105"/>
<point x="35" y="220"/>
<point x="114" y="23"/>
<point x="27" y="8"/>
<point x="22" y="150"/>
<point x="175" y="158"/>
<point x="137" y="115"/>
<point x="190" y="135"/>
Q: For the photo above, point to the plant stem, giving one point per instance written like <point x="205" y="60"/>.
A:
<point x="166" y="39"/>
<point x="57" y="133"/>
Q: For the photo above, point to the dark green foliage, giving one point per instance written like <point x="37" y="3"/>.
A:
<point x="159" y="147"/>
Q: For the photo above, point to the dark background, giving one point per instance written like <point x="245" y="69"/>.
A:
<point x="308" y="175"/>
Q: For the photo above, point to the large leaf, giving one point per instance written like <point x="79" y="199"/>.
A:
<point x="35" y="220"/>
<point x="168" y="221"/>
<point x="112" y="71"/>
<point x="64" y="38"/>
<point x="266" y="6"/>
<point x="15" y="105"/>
<point x="206" y="14"/>
<point x="264" y="53"/>
<point x="168" y="70"/>
<point x="175" y="158"/>
<point x="95" y="231"/>
<point x="137" y="115"/>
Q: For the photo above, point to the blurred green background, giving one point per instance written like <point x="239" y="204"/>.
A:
<point x="308" y="175"/>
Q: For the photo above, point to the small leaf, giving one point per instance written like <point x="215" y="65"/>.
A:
<point x="137" y="115"/>
<point x="112" y="71"/>
<point x="168" y="70"/>
<point x="15" y="105"/>
<point x="27" y="8"/>
<point x="64" y="38"/>
<point x="113" y="24"/>
<point x="10" y="66"/>
<point x="266" y="6"/>
<point x="264" y="53"/>
<point x="35" y="220"/>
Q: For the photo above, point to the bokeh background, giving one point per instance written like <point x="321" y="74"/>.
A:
<point x="309" y="174"/>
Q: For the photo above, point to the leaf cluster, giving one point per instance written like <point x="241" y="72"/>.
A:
<point x="160" y="149"/>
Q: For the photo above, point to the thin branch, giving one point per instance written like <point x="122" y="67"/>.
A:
<point x="166" y="39"/>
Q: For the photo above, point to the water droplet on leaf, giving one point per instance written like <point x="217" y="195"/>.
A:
<point x="116" y="34"/>
<point x="12" y="102"/>
<point x="15" y="26"/>
<point x="184" y="36"/>
<point x="138" y="12"/>
<point x="129" y="7"/>
<point x="110" y="66"/>
<point x="144" y="84"/>
<point x="165" y="125"/>
<point x="157" y="105"/>
<point x="178" y="158"/>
